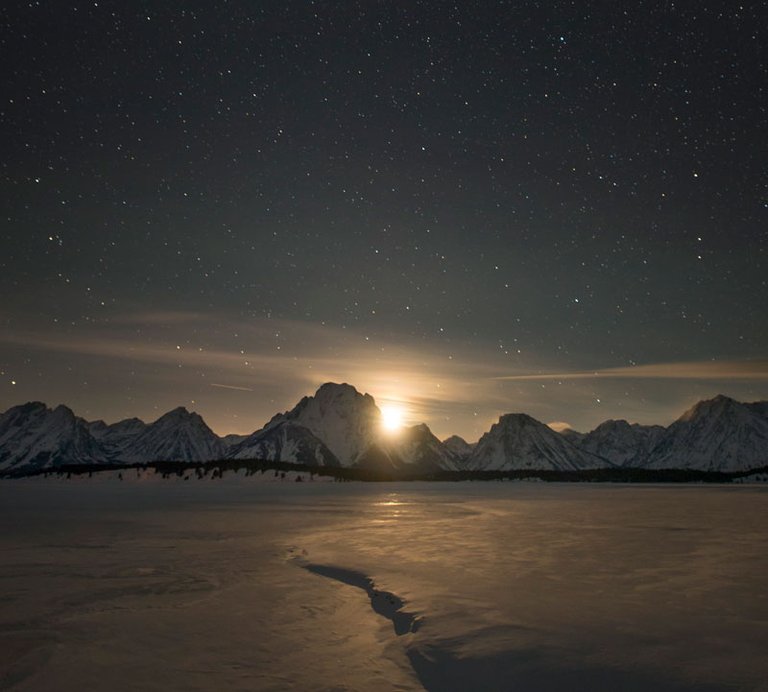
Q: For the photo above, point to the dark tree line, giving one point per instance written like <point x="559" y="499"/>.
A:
<point x="217" y="469"/>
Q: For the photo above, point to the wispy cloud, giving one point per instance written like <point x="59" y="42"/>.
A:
<point x="454" y="387"/>
<point x="695" y="370"/>
<point x="249" y="355"/>
<point x="231" y="386"/>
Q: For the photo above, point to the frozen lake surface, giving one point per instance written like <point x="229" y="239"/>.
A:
<point x="218" y="585"/>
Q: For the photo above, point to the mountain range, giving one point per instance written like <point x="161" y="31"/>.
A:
<point x="339" y="426"/>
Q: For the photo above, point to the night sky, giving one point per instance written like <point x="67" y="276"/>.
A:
<point x="476" y="208"/>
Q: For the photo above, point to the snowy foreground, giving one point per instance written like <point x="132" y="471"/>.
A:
<point x="325" y="586"/>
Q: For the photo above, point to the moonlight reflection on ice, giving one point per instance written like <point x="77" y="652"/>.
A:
<point x="482" y="586"/>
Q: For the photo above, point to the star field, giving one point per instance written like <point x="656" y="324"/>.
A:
<point x="422" y="199"/>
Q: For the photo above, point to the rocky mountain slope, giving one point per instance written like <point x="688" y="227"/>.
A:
<point x="518" y="441"/>
<point x="719" y="434"/>
<point x="33" y="436"/>
<point x="284" y="440"/>
<point x="339" y="426"/>
<point x="459" y="447"/>
<point x="619" y="442"/>
<point x="176" y="436"/>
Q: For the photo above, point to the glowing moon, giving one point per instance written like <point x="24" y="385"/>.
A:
<point x="391" y="418"/>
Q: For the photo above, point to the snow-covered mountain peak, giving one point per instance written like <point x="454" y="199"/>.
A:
<point x="459" y="447"/>
<point x="97" y="427"/>
<point x="717" y="406"/>
<point x="63" y="414"/>
<point x="718" y="434"/>
<point x="519" y="441"/>
<point x="180" y="417"/>
<point x="333" y="399"/>
<point x="516" y="420"/>
<point x="416" y="447"/>
<point x="343" y="418"/>
<point x="339" y="392"/>
<point x="179" y="435"/>
<point x="458" y="442"/>
<point x="29" y="407"/>
<point x="178" y="413"/>
<point x="128" y="425"/>
<point x="116" y="438"/>
<point x="620" y="442"/>
<point x="34" y="435"/>
<point x="614" y="424"/>
<point x="284" y="441"/>
<point x="17" y="416"/>
<point x="340" y="426"/>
